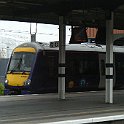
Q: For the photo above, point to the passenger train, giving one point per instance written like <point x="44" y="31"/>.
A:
<point x="33" y="67"/>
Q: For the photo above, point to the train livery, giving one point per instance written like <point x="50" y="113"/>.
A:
<point x="33" y="67"/>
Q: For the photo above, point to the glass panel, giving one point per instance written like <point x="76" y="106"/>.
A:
<point x="51" y="64"/>
<point x="21" y="62"/>
<point x="102" y="67"/>
<point x="88" y="67"/>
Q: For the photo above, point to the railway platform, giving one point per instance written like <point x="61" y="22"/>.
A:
<point x="47" y="108"/>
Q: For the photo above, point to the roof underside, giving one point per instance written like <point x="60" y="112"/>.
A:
<point x="91" y="12"/>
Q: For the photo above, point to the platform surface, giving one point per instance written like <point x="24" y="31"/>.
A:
<point x="44" y="108"/>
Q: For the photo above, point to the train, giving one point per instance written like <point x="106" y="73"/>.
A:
<point x="33" y="68"/>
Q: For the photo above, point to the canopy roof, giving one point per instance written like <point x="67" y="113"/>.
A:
<point x="91" y="12"/>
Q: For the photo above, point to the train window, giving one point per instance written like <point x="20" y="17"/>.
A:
<point x="82" y="67"/>
<point x="102" y="67"/>
<point x="81" y="64"/>
<point x="52" y="66"/>
<point x="21" y="62"/>
<point x="71" y="67"/>
<point x="120" y="67"/>
<point x="87" y="67"/>
<point x="119" y="63"/>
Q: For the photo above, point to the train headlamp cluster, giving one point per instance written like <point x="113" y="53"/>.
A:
<point x="27" y="82"/>
<point x="6" y="81"/>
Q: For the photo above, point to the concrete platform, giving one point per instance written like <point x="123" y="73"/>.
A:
<point x="44" y="108"/>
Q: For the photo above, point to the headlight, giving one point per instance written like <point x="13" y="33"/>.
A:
<point x="27" y="82"/>
<point x="6" y="81"/>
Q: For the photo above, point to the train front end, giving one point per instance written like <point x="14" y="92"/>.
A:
<point x="19" y="70"/>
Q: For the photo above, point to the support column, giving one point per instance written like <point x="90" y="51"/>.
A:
<point x="109" y="59"/>
<point x="33" y="37"/>
<point x="61" y="68"/>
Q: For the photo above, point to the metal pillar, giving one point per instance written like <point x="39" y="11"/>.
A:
<point x="61" y="68"/>
<point x="109" y="59"/>
<point x="33" y="37"/>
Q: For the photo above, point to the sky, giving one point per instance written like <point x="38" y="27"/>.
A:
<point x="13" y="33"/>
<point x="21" y="31"/>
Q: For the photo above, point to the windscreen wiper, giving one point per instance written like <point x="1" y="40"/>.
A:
<point x="25" y="72"/>
<point x="10" y="71"/>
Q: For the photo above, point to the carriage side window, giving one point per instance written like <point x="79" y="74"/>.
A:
<point x="87" y="67"/>
<point x="119" y="63"/>
<point x="102" y="67"/>
<point x="120" y="67"/>
<point x="72" y="67"/>
<point x="83" y="67"/>
<point x="52" y="66"/>
<point x="82" y="64"/>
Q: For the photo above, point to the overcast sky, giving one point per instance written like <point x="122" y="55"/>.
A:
<point x="21" y="30"/>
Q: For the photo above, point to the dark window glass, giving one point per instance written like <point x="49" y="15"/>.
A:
<point x="119" y="63"/>
<point x="87" y="67"/>
<point x="102" y="67"/>
<point x="120" y="67"/>
<point x="82" y="64"/>
<point x="52" y="66"/>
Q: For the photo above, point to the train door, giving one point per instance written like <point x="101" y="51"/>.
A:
<point x="102" y="60"/>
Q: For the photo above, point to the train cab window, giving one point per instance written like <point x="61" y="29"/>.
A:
<point x="21" y="61"/>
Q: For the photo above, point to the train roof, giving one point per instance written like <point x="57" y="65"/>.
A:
<point x="73" y="47"/>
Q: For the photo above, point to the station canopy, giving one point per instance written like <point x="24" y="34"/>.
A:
<point x="91" y="12"/>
